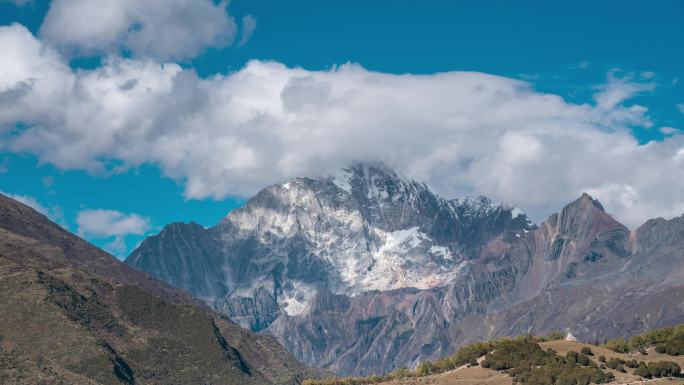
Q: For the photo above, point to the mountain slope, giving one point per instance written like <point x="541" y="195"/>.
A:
<point x="363" y="230"/>
<point x="70" y="312"/>
<point x="606" y="282"/>
<point x="366" y="271"/>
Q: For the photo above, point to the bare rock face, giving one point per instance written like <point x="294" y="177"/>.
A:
<point x="363" y="229"/>
<point x="366" y="271"/>
<point x="602" y="282"/>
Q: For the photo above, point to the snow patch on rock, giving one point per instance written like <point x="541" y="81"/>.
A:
<point x="441" y="251"/>
<point x="295" y="300"/>
<point x="376" y="193"/>
<point x="400" y="240"/>
<point x="478" y="205"/>
<point x="516" y="212"/>
<point x="406" y="259"/>
<point x="342" y="179"/>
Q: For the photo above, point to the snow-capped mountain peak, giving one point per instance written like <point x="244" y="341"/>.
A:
<point x="363" y="228"/>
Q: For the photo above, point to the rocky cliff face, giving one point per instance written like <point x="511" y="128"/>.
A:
<point x="363" y="229"/>
<point x="366" y="271"/>
<point x="590" y="274"/>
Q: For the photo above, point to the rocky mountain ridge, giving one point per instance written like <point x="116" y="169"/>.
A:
<point x="350" y="233"/>
<point x="365" y="271"/>
<point x="71" y="313"/>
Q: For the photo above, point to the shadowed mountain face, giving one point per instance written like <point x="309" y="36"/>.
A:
<point x="366" y="271"/>
<point x="72" y="313"/>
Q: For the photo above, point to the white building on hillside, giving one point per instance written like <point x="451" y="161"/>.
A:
<point x="570" y="338"/>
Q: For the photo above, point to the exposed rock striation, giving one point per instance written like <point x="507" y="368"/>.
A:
<point x="366" y="271"/>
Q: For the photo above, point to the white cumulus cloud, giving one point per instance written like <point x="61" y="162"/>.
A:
<point x="103" y="224"/>
<point x="161" y="29"/>
<point x="462" y="132"/>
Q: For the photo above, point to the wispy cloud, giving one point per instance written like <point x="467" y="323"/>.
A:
<point x="231" y="135"/>
<point x="55" y="213"/>
<point x="579" y="65"/>
<point x="618" y="89"/>
<point x="249" y="24"/>
<point x="28" y="201"/>
<point x="669" y="130"/>
<point x="104" y="224"/>
<point x="646" y="75"/>
<point x="48" y="181"/>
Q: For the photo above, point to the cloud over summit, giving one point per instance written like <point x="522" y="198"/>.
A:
<point x="159" y="29"/>
<point x="462" y="132"/>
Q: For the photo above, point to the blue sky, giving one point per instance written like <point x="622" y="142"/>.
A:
<point x="568" y="49"/>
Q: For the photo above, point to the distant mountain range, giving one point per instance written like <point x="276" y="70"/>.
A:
<point x="366" y="271"/>
<point x="72" y="314"/>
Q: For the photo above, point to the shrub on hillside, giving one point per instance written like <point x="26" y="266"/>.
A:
<point x="555" y="336"/>
<point x="673" y="347"/>
<point x="618" y="345"/>
<point x="424" y="369"/>
<point x="671" y="336"/>
<point x="642" y="371"/>
<point x="582" y="359"/>
<point x="566" y="379"/>
<point x="586" y="351"/>
<point x="632" y="364"/>
<point x="467" y="355"/>
<point x="664" y="369"/>
<point x="528" y="364"/>
<point x="658" y="369"/>
<point x="523" y="359"/>
<point x="613" y="363"/>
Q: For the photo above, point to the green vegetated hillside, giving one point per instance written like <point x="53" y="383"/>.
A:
<point x="72" y="314"/>
<point x="668" y="340"/>
<point x="545" y="361"/>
